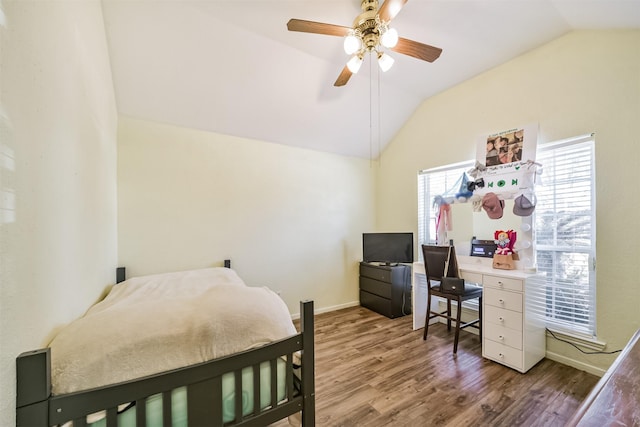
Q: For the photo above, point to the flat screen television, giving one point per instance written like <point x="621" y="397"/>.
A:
<point x="387" y="248"/>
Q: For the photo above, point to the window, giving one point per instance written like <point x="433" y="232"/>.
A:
<point x="564" y="229"/>
<point x="565" y="234"/>
<point x="431" y="183"/>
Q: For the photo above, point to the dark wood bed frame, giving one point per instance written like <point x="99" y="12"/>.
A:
<point x="36" y="406"/>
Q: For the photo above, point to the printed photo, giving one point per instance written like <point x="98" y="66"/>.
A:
<point x="504" y="148"/>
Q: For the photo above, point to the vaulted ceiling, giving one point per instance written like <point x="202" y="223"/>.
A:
<point x="231" y="67"/>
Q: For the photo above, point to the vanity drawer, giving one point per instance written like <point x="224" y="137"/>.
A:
<point x="505" y="283"/>
<point x="503" y="335"/>
<point x="500" y="316"/>
<point x="503" y="354"/>
<point x="503" y="299"/>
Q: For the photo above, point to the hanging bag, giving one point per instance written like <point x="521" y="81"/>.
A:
<point x="463" y="191"/>
<point x="504" y="262"/>
<point x="451" y="285"/>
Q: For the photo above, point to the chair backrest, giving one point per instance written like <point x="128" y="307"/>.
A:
<point x="435" y="258"/>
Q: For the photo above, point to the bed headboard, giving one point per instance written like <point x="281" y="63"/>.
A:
<point x="121" y="272"/>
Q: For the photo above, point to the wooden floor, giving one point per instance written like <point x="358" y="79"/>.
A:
<point x="374" y="371"/>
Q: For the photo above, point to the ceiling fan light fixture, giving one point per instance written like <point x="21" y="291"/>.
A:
<point x="354" y="63"/>
<point x="352" y="44"/>
<point x="370" y="34"/>
<point x="385" y="61"/>
<point x="389" y="38"/>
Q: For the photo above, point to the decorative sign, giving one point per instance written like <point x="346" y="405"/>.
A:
<point x="506" y="160"/>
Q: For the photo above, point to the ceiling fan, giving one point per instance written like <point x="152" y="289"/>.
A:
<point x="369" y="34"/>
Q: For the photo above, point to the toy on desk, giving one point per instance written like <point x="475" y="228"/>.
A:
<point x="505" y="241"/>
<point x="504" y="256"/>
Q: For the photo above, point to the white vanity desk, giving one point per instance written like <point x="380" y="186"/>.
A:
<point x="512" y="333"/>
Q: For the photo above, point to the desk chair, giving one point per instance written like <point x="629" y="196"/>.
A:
<point x="435" y="258"/>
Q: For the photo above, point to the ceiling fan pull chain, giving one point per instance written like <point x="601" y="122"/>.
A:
<point x="370" y="116"/>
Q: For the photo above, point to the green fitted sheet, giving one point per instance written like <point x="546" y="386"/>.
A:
<point x="179" y="399"/>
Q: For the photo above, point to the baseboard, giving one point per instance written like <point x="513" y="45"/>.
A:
<point x="575" y="364"/>
<point x="328" y="309"/>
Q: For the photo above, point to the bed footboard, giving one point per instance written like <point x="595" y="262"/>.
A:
<point x="35" y="406"/>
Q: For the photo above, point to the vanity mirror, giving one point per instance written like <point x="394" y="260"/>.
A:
<point x="467" y="224"/>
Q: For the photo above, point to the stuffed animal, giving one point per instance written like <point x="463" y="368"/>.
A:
<point x="505" y="241"/>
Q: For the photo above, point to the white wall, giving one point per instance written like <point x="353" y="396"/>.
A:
<point x="288" y="218"/>
<point x="57" y="174"/>
<point x="586" y="81"/>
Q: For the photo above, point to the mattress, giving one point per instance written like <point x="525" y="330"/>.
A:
<point x="157" y="323"/>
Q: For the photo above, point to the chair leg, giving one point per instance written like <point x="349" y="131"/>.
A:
<point x="480" y="317"/>
<point x="458" y="318"/>
<point x="426" y="320"/>
<point x="448" y="314"/>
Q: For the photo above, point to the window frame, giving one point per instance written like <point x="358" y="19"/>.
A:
<point x="553" y="283"/>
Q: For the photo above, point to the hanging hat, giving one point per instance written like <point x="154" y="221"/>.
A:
<point x="493" y="205"/>
<point x="522" y="206"/>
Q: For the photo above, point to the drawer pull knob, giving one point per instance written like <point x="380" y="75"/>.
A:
<point x="501" y="301"/>
<point x="500" y="284"/>
<point x="501" y="356"/>
<point x="501" y="319"/>
<point x="501" y="338"/>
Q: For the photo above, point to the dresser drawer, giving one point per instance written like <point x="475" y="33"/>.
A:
<point x="376" y="303"/>
<point x="500" y="316"/>
<point x="382" y="274"/>
<point x="502" y="283"/>
<point x="382" y="289"/>
<point x="503" y="335"/>
<point x="503" y="354"/>
<point x="503" y="299"/>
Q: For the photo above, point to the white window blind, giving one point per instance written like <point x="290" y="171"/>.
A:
<point x="565" y="234"/>
<point x="431" y="183"/>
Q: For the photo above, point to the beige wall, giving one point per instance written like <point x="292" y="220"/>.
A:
<point x="57" y="174"/>
<point x="587" y="81"/>
<point x="288" y="218"/>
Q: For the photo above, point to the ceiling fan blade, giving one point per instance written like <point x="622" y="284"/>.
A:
<point x="344" y="77"/>
<point x="390" y="9"/>
<point x="317" y="27"/>
<point x="417" y="50"/>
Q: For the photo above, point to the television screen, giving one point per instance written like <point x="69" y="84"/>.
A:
<point x="388" y="248"/>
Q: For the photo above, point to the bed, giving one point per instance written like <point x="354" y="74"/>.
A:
<point x="195" y="348"/>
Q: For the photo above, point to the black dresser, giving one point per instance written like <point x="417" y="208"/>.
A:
<point x="386" y="289"/>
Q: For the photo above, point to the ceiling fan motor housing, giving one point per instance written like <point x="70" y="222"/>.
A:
<point x="366" y="24"/>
